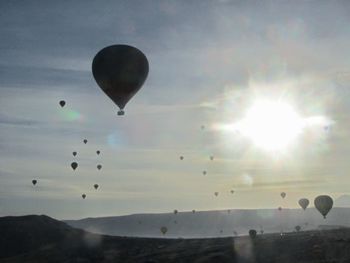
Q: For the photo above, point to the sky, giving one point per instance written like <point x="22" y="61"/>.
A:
<point x="209" y="61"/>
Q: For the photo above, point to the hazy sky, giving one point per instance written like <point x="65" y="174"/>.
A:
<point x="209" y="60"/>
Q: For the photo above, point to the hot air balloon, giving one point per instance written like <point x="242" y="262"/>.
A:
<point x="74" y="165"/>
<point x="120" y="71"/>
<point x="280" y="209"/>
<point x="83" y="196"/>
<point x="283" y="194"/>
<point x="232" y="191"/>
<point x="204" y="172"/>
<point x="163" y="229"/>
<point x="85" y="141"/>
<point x="34" y="182"/>
<point x="181" y="158"/>
<point x="175" y="212"/>
<point x="74" y="153"/>
<point x="62" y="103"/>
<point x="211" y="158"/>
<point x="303" y="202"/>
<point x="96" y="186"/>
<point x="99" y="166"/>
<point x="216" y="193"/>
<point x="323" y="204"/>
<point x="98" y="152"/>
<point x="297" y="228"/>
<point x="193" y="211"/>
<point x="252" y="233"/>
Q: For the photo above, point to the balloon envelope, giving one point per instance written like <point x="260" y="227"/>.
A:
<point x="304" y="203"/>
<point x="83" y="196"/>
<point x="98" y="152"/>
<point x="96" y="186"/>
<point x="99" y="166"/>
<point x="252" y="233"/>
<point x="120" y="71"/>
<point x="62" y="103"/>
<point x="283" y="194"/>
<point x="323" y="204"/>
<point x="74" y="165"/>
<point x="163" y="229"/>
<point x="74" y="153"/>
<point x="34" y="182"/>
<point x="85" y="141"/>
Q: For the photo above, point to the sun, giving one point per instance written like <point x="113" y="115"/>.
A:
<point x="272" y="126"/>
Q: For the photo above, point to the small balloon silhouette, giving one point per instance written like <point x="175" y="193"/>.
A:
<point x="74" y="153"/>
<point x="34" y="182"/>
<point x="99" y="166"/>
<point x="62" y="103"/>
<point x="74" y="165"/>
<point x="85" y="141"/>
<point x="96" y="186"/>
<point x="83" y="196"/>
<point x="98" y="152"/>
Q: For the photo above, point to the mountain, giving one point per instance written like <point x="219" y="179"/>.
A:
<point x="342" y="201"/>
<point x="40" y="239"/>
<point x="212" y="223"/>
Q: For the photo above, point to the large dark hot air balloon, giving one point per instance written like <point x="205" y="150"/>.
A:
<point x="120" y="71"/>
<point x="323" y="204"/>
<point x="283" y="194"/>
<point x="98" y="152"/>
<point x="99" y="166"/>
<point x="303" y="202"/>
<point x="83" y="196"/>
<point x="74" y="153"/>
<point x="34" y="182"/>
<point x="85" y="141"/>
<point x="96" y="186"/>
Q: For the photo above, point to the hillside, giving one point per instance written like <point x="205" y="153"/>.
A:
<point x="202" y="224"/>
<point x="42" y="239"/>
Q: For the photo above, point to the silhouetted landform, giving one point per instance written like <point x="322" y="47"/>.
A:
<point x="43" y="239"/>
<point x="202" y="224"/>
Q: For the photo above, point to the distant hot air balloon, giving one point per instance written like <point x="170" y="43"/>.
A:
<point x="216" y="193"/>
<point x="163" y="229"/>
<point x="34" y="182"/>
<point x="98" y="152"/>
<point x="74" y="165"/>
<point x="323" y="204"/>
<point x="99" y="166"/>
<point x="280" y="209"/>
<point x="74" y="153"/>
<point x="181" y="158"/>
<point x="204" y="172"/>
<point x="85" y="141"/>
<point x="96" y="186"/>
<point x="303" y="202"/>
<point x="193" y="211"/>
<point x="211" y="158"/>
<point x="252" y="233"/>
<point x="120" y="71"/>
<point x="175" y="211"/>
<point x="232" y="191"/>
<point x="62" y="103"/>
<point x="297" y="228"/>
<point x="83" y="196"/>
<point x="283" y="194"/>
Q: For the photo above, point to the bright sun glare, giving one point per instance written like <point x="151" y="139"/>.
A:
<point x="271" y="125"/>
